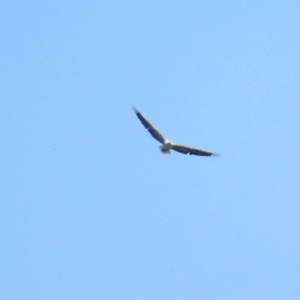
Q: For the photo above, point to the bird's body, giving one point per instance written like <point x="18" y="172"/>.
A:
<point x="166" y="147"/>
<point x="166" y="144"/>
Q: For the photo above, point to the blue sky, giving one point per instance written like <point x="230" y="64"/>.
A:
<point x="90" y="209"/>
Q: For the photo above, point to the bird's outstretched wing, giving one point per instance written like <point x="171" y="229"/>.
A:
<point x="188" y="150"/>
<point x="153" y="131"/>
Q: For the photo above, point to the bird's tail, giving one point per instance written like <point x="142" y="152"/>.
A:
<point x="164" y="151"/>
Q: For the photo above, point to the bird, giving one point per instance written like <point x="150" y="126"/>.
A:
<point x="167" y="145"/>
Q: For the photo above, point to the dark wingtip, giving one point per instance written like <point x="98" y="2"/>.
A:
<point x="216" y="154"/>
<point x="134" y="109"/>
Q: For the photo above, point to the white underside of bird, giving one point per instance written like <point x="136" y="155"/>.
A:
<point x="166" y="147"/>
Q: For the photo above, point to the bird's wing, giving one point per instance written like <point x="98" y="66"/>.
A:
<point x="153" y="131"/>
<point x="188" y="150"/>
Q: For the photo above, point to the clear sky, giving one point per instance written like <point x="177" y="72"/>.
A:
<point x="90" y="209"/>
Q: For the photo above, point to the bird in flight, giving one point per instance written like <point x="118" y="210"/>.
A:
<point x="166" y="144"/>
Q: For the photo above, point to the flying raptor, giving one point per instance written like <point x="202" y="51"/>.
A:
<point x="166" y="144"/>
